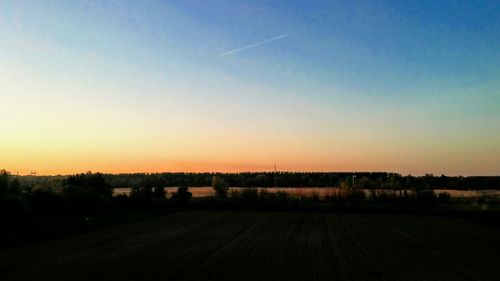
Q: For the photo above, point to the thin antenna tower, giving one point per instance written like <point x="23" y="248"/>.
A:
<point x="33" y="174"/>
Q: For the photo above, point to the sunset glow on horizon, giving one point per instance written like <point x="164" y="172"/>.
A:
<point x="211" y="86"/>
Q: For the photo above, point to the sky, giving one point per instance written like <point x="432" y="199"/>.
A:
<point x="151" y="86"/>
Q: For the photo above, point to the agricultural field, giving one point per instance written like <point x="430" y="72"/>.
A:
<point x="267" y="246"/>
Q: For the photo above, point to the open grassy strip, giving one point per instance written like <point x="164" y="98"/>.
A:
<point x="267" y="246"/>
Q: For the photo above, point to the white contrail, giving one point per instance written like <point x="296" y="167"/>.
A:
<point x="254" y="45"/>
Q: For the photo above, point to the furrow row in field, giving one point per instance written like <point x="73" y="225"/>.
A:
<point x="380" y="247"/>
<point x="246" y="256"/>
<point x="178" y="256"/>
<point x="417" y="261"/>
<point x="86" y="247"/>
<point x="366" y="264"/>
<point x="147" y="245"/>
<point x="451" y="242"/>
<point x="319" y="260"/>
<point x="354" y="265"/>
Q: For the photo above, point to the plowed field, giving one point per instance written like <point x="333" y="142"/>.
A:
<point x="267" y="246"/>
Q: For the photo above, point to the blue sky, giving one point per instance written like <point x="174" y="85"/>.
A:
<point x="406" y="86"/>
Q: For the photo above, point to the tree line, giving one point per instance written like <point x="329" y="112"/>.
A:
<point x="363" y="180"/>
<point x="92" y="193"/>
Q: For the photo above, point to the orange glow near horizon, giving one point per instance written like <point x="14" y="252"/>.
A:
<point x="53" y="164"/>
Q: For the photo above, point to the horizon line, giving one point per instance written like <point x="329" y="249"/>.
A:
<point x="246" y="172"/>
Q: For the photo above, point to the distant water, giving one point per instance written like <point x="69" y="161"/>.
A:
<point x="309" y="191"/>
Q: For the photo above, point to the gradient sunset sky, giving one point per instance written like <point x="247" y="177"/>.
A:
<point x="151" y="86"/>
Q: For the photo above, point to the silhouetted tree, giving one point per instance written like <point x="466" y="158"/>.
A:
<point x="141" y="192"/>
<point x="182" y="195"/>
<point x="4" y="181"/>
<point x="87" y="191"/>
<point x="262" y="180"/>
<point x="151" y="186"/>
<point x="158" y="192"/>
<point x="45" y="200"/>
<point x="12" y="201"/>
<point x="220" y="186"/>
<point x="88" y="183"/>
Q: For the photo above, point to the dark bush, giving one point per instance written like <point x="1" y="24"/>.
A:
<point x="426" y="196"/>
<point x="444" y="197"/>
<point x="220" y="186"/>
<point x="356" y="196"/>
<point x="87" y="192"/>
<point x="182" y="195"/>
<point x="282" y="196"/>
<point x="44" y="201"/>
<point x="13" y="206"/>
<point x="250" y="194"/>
